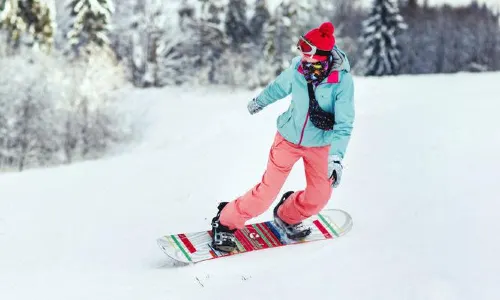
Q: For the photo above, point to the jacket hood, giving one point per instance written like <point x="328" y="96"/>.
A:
<point x="340" y="61"/>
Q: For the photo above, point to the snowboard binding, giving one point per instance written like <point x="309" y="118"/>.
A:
<point x="293" y="231"/>
<point x="222" y="237"/>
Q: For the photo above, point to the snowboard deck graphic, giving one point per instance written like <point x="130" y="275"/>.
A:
<point x="194" y="247"/>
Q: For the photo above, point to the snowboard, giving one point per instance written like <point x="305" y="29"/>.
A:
<point x="194" y="247"/>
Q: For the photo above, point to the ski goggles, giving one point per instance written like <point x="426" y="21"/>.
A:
<point x="307" y="48"/>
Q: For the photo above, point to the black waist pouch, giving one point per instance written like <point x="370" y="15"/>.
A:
<point x="320" y="118"/>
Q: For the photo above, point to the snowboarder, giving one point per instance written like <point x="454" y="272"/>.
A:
<point x="316" y="127"/>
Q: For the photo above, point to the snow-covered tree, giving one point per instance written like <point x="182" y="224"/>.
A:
<point x="57" y="112"/>
<point x="11" y="20"/>
<point x="379" y="38"/>
<point x="34" y="17"/>
<point x="496" y="49"/>
<point x="90" y="25"/>
<point x="90" y="116"/>
<point x="185" y="12"/>
<point x="147" y="32"/>
<point x="40" y="22"/>
<point x="31" y="138"/>
<point x="148" y="42"/>
<point x="90" y="106"/>
<point x="29" y="135"/>
<point x="258" y="20"/>
<point x="171" y="61"/>
<point x="236" y="24"/>
<point x="211" y="39"/>
<point x="289" y="20"/>
<point x="123" y="18"/>
<point x="445" y="39"/>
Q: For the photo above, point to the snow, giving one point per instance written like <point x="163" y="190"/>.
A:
<point x="420" y="181"/>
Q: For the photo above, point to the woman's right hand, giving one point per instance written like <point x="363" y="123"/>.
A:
<point x="253" y="107"/>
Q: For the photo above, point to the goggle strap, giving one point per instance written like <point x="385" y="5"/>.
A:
<point x="323" y="52"/>
<point x="315" y="50"/>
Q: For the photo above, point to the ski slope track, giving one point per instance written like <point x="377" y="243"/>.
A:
<point x="421" y="181"/>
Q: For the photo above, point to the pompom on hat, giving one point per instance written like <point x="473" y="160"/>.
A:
<point x="321" y="37"/>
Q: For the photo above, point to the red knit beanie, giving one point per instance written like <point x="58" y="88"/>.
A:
<point x="322" y="37"/>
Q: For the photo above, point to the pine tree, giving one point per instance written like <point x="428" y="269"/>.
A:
<point x="34" y="17"/>
<point x="257" y="22"/>
<point x="12" y="21"/>
<point x="381" y="48"/>
<point x="186" y="14"/>
<point x="91" y="24"/>
<point x="40" y="22"/>
<point x="259" y="72"/>
<point x="146" y="30"/>
<point x="236" y="22"/>
<point x="149" y="43"/>
<point x="289" y="21"/>
<point x="157" y="59"/>
<point x="211" y="41"/>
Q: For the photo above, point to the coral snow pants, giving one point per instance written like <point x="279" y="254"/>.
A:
<point x="301" y="204"/>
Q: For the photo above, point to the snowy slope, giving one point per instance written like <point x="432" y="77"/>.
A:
<point x="421" y="182"/>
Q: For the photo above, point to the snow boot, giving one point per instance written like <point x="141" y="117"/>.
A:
<point x="222" y="237"/>
<point x="293" y="231"/>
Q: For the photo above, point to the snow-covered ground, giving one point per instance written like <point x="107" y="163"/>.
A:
<point x="421" y="182"/>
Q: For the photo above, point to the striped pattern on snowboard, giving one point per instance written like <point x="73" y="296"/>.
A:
<point x="196" y="246"/>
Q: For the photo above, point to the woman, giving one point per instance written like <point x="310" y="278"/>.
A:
<point x="316" y="127"/>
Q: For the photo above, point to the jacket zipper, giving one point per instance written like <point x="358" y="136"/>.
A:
<point x="303" y="128"/>
<point x="305" y="122"/>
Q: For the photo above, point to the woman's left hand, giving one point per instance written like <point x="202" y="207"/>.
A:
<point x="335" y="169"/>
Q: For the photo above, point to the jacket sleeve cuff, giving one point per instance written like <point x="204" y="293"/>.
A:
<point x="334" y="157"/>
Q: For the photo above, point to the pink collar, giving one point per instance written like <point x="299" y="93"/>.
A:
<point x="332" y="78"/>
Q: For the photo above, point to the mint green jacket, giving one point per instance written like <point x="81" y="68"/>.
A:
<point x="334" y="94"/>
